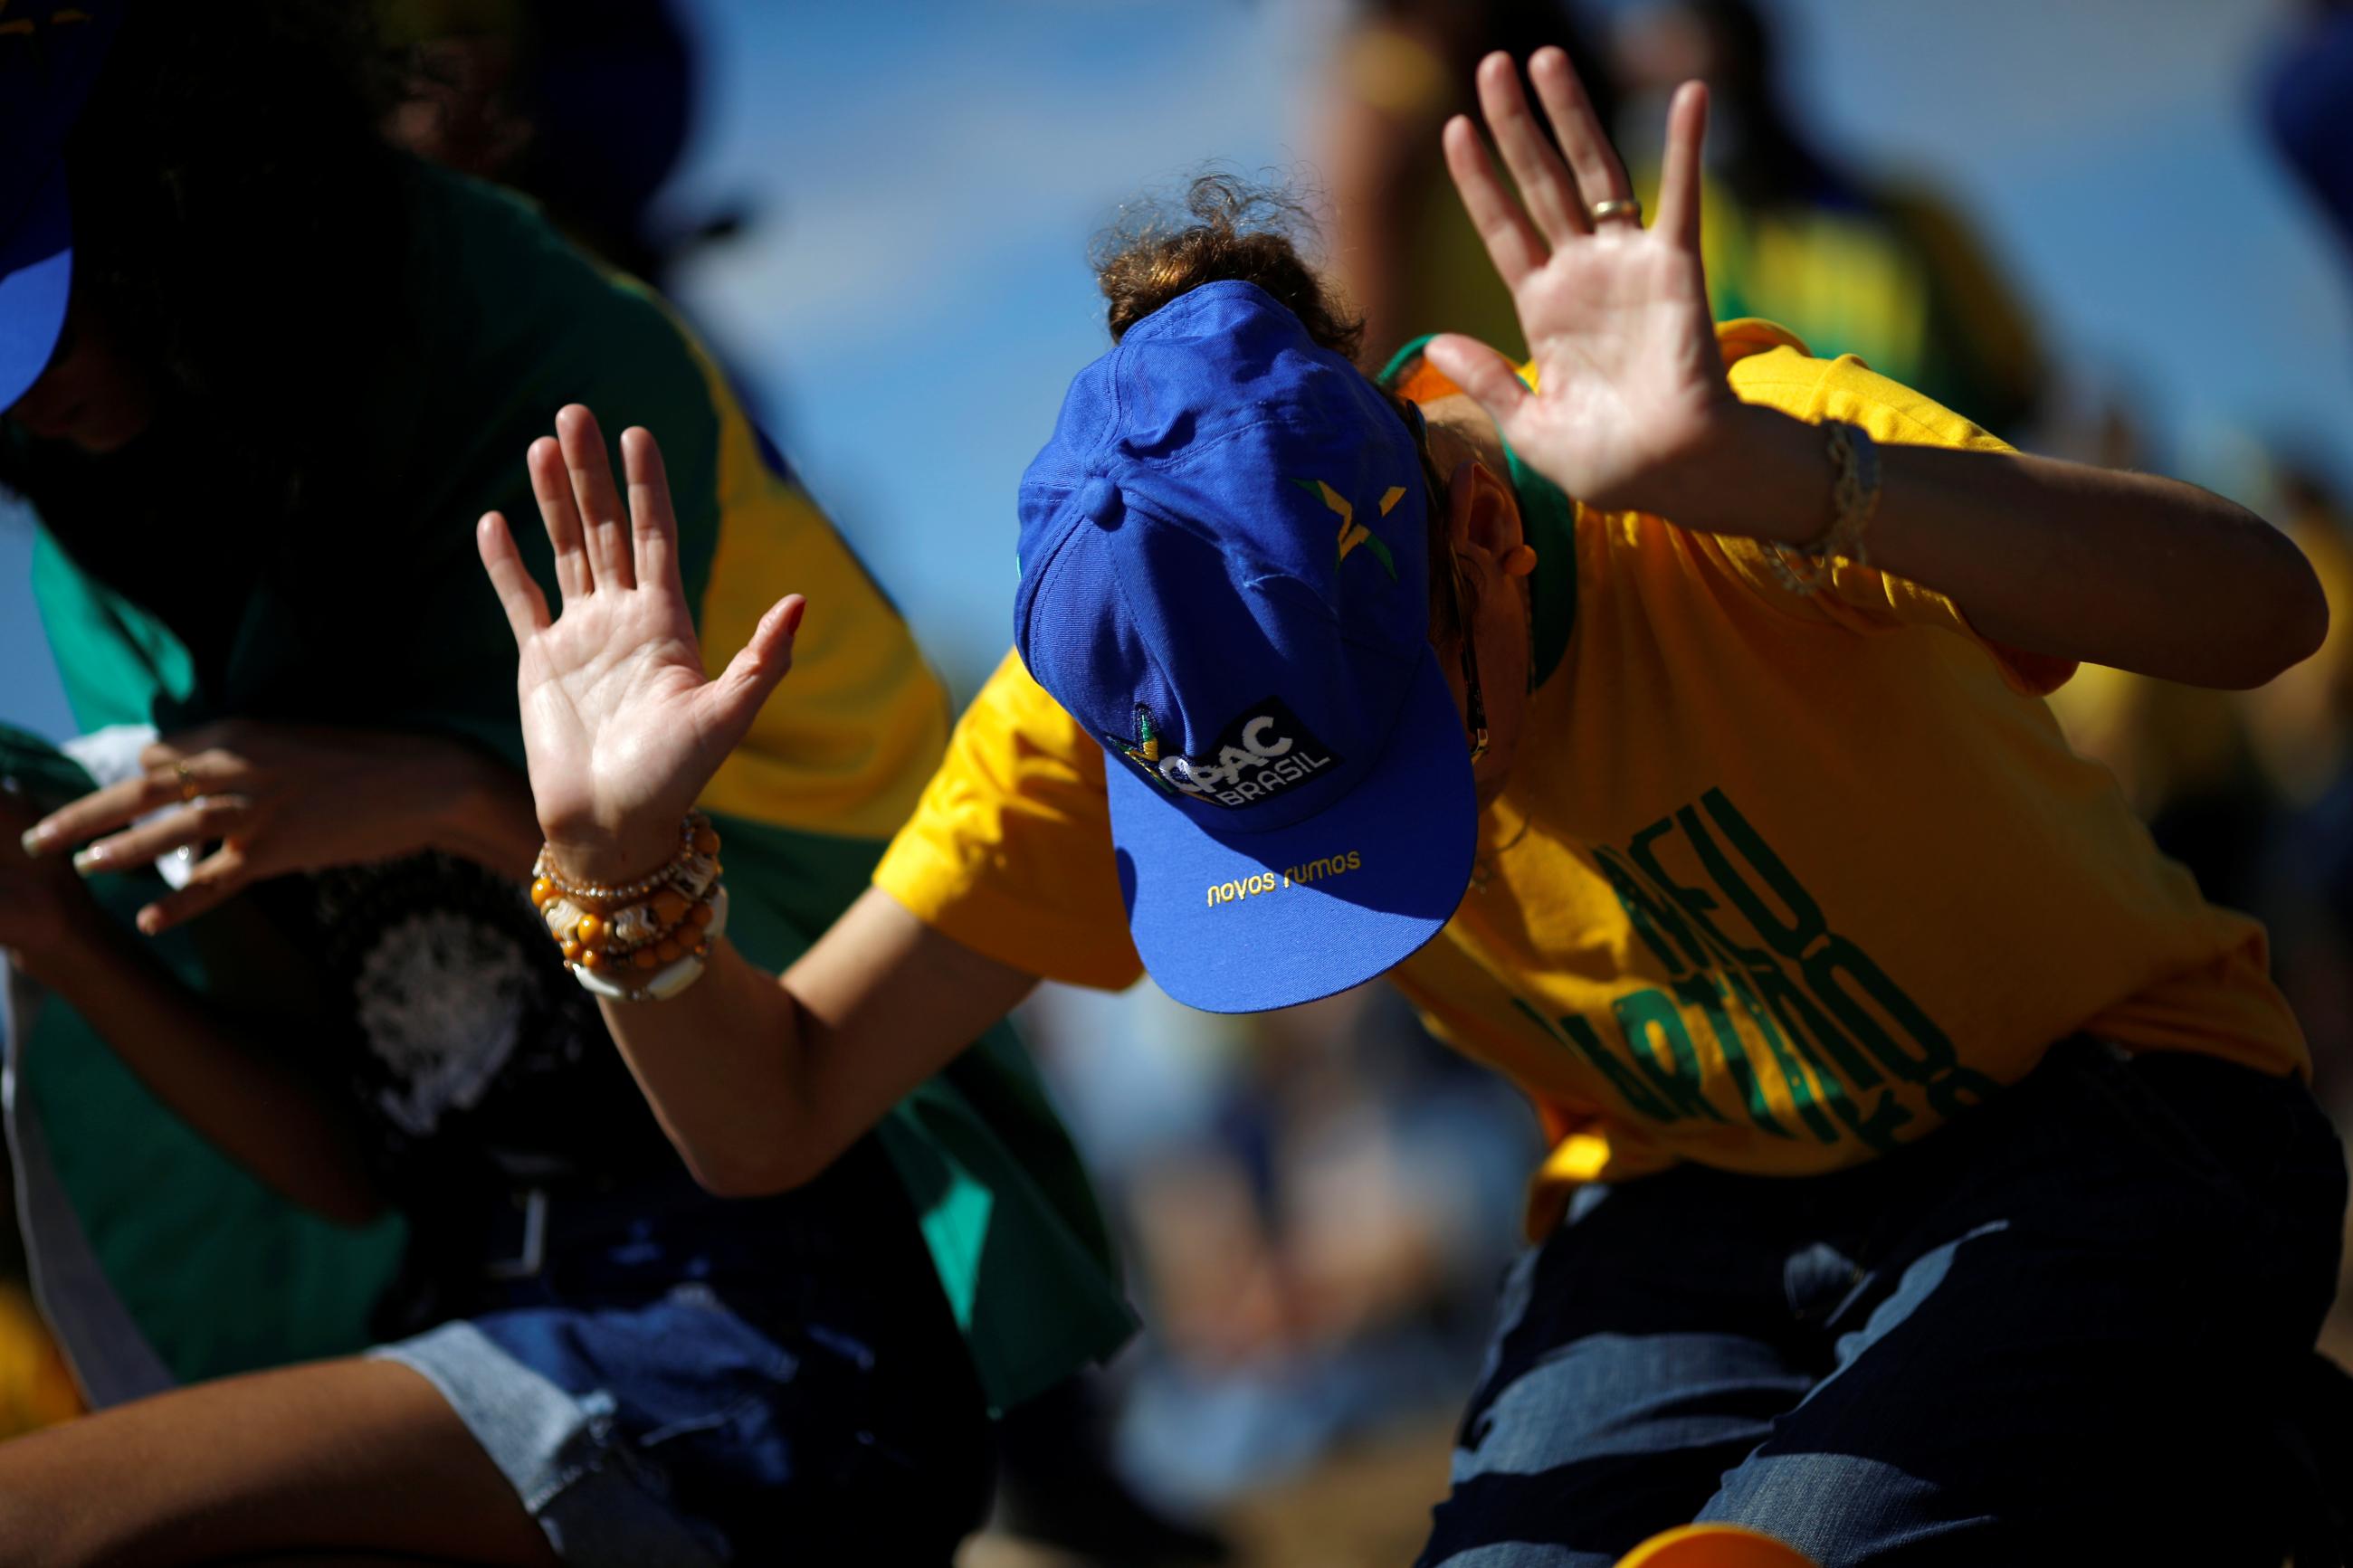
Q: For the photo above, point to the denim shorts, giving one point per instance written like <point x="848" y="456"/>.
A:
<point x="2063" y="1329"/>
<point x="691" y="1381"/>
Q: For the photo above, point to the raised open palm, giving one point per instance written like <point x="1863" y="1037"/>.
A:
<point x="1630" y="385"/>
<point x="621" y="724"/>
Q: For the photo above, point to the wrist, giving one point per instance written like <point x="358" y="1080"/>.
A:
<point x="1763" y="478"/>
<point x="612" y="857"/>
<point x="643" y="939"/>
<point x="79" y="950"/>
<point x="483" y="813"/>
<point x="439" y="790"/>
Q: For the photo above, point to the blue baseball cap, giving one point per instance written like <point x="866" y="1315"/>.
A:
<point x="49" y="55"/>
<point x="1225" y="579"/>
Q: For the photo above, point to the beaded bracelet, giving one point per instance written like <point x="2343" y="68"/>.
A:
<point x="670" y="979"/>
<point x="1854" y="496"/>
<point x="655" y="930"/>
<point x="695" y="835"/>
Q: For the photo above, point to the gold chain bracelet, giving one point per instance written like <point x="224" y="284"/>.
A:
<point x="655" y="930"/>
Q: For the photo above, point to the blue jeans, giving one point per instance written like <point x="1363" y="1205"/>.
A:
<point x="693" y="1380"/>
<point x="2063" y="1322"/>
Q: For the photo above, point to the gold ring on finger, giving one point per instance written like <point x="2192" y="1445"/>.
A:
<point x="1616" y="206"/>
<point x="189" y="788"/>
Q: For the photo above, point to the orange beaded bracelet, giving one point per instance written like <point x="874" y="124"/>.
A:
<point x="658" y="921"/>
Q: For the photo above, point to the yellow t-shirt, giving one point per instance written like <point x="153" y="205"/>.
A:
<point x="1779" y="882"/>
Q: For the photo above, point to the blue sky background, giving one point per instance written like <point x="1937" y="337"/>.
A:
<point x="913" y="295"/>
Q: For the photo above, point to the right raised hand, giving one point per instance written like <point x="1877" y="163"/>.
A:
<point x="1631" y="409"/>
<point x="621" y="725"/>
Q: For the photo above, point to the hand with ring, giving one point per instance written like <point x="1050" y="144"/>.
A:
<point x="1631" y="397"/>
<point x="255" y="800"/>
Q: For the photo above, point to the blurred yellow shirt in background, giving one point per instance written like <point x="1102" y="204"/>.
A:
<point x="36" y="1389"/>
<point x="1780" y="882"/>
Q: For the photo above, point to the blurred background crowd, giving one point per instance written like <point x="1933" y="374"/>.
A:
<point x="2115" y="230"/>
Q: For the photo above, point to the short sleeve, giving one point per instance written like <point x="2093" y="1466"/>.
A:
<point x="1893" y="415"/>
<point x="1009" y="849"/>
<point x="114" y="659"/>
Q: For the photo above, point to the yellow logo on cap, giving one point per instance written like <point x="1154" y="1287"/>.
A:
<point x="1296" y="876"/>
<point x="1351" y="532"/>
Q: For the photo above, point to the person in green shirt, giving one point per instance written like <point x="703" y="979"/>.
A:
<point x="326" y="1083"/>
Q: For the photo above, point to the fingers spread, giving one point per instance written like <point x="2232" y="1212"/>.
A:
<point x="104" y="810"/>
<point x="591" y="474"/>
<point x="1545" y="185"/>
<point x="1600" y="177"/>
<point x="1679" y="180"/>
<point x="787" y="613"/>
<point x="518" y="595"/>
<point x="653" y="525"/>
<point x="1481" y="371"/>
<point x="1511" y="243"/>
<point x="552" y="488"/>
<point x="205" y="820"/>
<point x="97" y="812"/>
<point x="182" y="744"/>
<point x="212" y="881"/>
<point x="752" y="675"/>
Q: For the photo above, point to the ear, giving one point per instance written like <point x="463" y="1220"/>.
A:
<point x="1484" y="513"/>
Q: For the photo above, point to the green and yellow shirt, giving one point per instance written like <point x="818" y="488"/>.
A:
<point x="1777" y="884"/>
<point x="505" y="324"/>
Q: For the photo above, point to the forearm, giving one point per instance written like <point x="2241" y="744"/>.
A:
<point x="261" y="1114"/>
<point x="760" y="1083"/>
<point x="717" y="1064"/>
<point x="480" y="810"/>
<point x="2133" y="571"/>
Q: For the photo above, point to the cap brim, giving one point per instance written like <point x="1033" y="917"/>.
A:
<point x="1238" y="922"/>
<point x="35" y="282"/>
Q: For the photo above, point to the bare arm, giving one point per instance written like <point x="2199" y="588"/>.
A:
<point x="1634" y="412"/>
<point x="259" y="1111"/>
<point x="758" y="1084"/>
<point x="2136" y="571"/>
<point x="761" y="1084"/>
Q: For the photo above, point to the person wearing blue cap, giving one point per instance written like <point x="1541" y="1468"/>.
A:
<point x="64" y="45"/>
<point x="1934" y="1177"/>
<point x="326" y="1094"/>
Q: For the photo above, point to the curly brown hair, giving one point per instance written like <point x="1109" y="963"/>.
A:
<point x="1225" y="229"/>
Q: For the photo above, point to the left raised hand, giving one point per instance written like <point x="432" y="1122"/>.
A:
<point x="622" y="724"/>
<point x="276" y="798"/>
<point x="1631" y="396"/>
